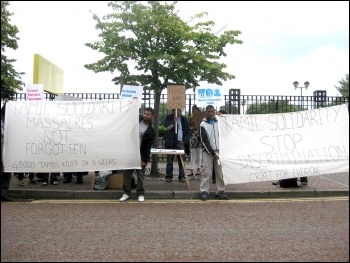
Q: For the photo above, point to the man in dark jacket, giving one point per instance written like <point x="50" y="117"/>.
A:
<point x="5" y="176"/>
<point x="147" y="136"/>
<point x="178" y="134"/>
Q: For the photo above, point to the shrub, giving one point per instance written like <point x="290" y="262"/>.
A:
<point x="162" y="131"/>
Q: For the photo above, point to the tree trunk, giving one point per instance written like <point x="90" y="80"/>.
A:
<point x="154" y="167"/>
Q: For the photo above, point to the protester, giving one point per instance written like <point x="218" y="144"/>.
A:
<point x="5" y="176"/>
<point x="45" y="178"/>
<point x="147" y="136"/>
<point x="178" y="133"/>
<point x="20" y="177"/>
<point x="196" y="147"/>
<point x="67" y="177"/>
<point x="303" y="180"/>
<point x="213" y="177"/>
<point x="209" y="134"/>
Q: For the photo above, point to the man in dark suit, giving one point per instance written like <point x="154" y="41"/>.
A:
<point x="178" y="134"/>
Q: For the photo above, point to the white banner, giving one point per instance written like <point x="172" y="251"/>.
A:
<point x="255" y="148"/>
<point x="71" y="136"/>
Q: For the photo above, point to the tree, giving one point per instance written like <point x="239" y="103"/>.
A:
<point x="344" y="86"/>
<point x="273" y="106"/>
<point x="149" y="44"/>
<point x="10" y="78"/>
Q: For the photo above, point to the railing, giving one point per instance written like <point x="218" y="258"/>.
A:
<point x="234" y="103"/>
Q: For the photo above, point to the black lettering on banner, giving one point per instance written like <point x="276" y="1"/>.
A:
<point x="23" y="165"/>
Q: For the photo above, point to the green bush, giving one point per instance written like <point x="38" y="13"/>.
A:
<point x="162" y="131"/>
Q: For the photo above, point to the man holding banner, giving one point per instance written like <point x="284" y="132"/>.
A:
<point x="147" y="136"/>
<point x="5" y="176"/>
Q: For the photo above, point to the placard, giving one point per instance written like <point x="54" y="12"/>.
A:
<point x="34" y="92"/>
<point x="176" y="96"/>
<point x="209" y="96"/>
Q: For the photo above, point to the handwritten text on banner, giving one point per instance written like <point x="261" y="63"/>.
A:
<point x="70" y="136"/>
<point x="264" y="147"/>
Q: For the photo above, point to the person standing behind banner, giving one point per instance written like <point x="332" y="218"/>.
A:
<point x="147" y="136"/>
<point x="176" y="139"/>
<point x="5" y="176"/>
<point x="209" y="134"/>
<point x="196" y="147"/>
<point x="45" y="178"/>
<point x="69" y="175"/>
<point x="20" y="177"/>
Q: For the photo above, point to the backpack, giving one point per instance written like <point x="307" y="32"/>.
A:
<point x="289" y="182"/>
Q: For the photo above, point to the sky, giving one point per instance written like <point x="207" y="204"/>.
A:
<point x="283" y="42"/>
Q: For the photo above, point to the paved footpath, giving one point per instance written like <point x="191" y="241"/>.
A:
<point x="156" y="188"/>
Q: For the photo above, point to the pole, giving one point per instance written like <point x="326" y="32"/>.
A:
<point x="176" y="121"/>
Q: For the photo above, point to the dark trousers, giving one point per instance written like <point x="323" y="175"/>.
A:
<point x="5" y="183"/>
<point x="127" y="177"/>
<point x="170" y="161"/>
<point x="45" y="177"/>
<point x="303" y="179"/>
<point x="20" y="176"/>
<point x="79" y="175"/>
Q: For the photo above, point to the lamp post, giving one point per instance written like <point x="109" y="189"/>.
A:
<point x="306" y="84"/>
<point x="243" y="104"/>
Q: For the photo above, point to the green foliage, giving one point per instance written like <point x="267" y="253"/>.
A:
<point x="162" y="131"/>
<point x="10" y="78"/>
<point x="149" y="44"/>
<point x="272" y="106"/>
<point x="163" y="48"/>
<point x="343" y="88"/>
<point x="163" y="111"/>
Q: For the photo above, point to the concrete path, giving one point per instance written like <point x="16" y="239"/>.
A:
<point x="156" y="188"/>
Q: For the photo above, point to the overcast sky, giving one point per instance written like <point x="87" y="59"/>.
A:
<point x="283" y="42"/>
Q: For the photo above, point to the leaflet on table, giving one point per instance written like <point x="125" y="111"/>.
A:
<point x="155" y="150"/>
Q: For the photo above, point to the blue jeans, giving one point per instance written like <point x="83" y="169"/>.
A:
<point x="170" y="162"/>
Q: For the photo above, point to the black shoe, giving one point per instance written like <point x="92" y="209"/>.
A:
<point x="5" y="199"/>
<point x="221" y="195"/>
<point x="204" y="196"/>
<point x="67" y="180"/>
<point x="213" y="181"/>
<point x="168" y="179"/>
<point x="182" y="179"/>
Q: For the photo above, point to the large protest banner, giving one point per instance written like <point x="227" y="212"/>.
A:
<point x="71" y="136"/>
<point x="265" y="147"/>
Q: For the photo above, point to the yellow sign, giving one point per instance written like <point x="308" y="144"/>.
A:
<point x="48" y="74"/>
